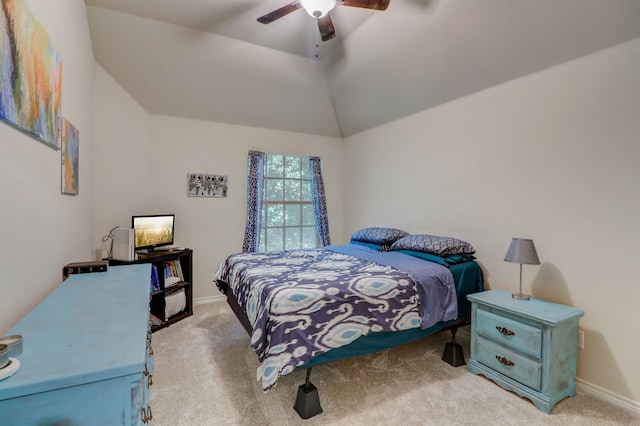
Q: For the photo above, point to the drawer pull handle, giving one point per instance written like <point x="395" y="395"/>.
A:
<point x="505" y="361"/>
<point x="505" y="331"/>
<point x="146" y="415"/>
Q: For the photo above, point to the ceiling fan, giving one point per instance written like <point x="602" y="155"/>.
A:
<point x="320" y="9"/>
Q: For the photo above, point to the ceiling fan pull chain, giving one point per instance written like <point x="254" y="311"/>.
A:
<point x="317" y="40"/>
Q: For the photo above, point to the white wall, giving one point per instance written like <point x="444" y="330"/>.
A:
<point x="214" y="227"/>
<point x="42" y="230"/>
<point x="552" y="156"/>
<point x="122" y="159"/>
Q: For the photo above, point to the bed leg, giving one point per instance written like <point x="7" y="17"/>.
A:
<point x="453" y="354"/>
<point x="307" y="402"/>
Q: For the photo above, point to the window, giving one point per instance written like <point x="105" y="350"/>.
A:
<point x="287" y="219"/>
<point x="283" y="219"/>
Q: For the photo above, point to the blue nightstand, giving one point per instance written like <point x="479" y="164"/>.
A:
<point x="526" y="346"/>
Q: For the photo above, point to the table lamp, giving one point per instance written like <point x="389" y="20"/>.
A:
<point x="522" y="251"/>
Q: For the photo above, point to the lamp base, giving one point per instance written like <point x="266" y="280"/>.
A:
<point x="520" y="296"/>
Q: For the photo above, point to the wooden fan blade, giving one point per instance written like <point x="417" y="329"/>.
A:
<point x="366" y="4"/>
<point x="327" y="30"/>
<point x="279" y="13"/>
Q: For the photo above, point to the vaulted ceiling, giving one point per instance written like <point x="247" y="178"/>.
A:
<point x="211" y="60"/>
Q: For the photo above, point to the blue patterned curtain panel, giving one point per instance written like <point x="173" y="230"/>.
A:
<point x="255" y="183"/>
<point x="319" y="200"/>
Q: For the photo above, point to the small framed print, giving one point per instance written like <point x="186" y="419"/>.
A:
<point x="204" y="185"/>
<point x="70" y="155"/>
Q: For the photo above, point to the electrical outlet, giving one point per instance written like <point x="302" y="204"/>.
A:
<point x="581" y="339"/>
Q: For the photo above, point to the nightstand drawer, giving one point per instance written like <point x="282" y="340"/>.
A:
<point x="516" y="335"/>
<point x="510" y="364"/>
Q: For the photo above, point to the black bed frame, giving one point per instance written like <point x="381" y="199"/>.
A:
<point x="307" y="400"/>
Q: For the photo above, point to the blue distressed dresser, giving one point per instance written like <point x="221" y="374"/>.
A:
<point x="86" y="356"/>
<point x="526" y="346"/>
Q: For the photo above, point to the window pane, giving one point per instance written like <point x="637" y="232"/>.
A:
<point x="292" y="215"/>
<point x="292" y="167"/>
<point x="261" y="243"/>
<point x="305" y="190"/>
<point x="292" y="190"/>
<point x="308" y="217"/>
<point x="305" y="169"/>
<point x="263" y="219"/>
<point x="274" y="165"/>
<point x="275" y="215"/>
<point x="309" y="237"/>
<point x="274" y="190"/>
<point x="274" y="239"/>
<point x="292" y="240"/>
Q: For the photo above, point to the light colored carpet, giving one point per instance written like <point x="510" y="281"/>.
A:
<point x="205" y="374"/>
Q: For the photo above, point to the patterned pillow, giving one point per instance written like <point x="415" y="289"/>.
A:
<point x="378" y="235"/>
<point x="440" y="246"/>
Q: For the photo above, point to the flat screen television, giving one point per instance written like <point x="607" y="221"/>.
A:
<point x="152" y="231"/>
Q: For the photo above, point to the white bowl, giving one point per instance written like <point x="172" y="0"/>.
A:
<point x="4" y="355"/>
<point x="14" y="342"/>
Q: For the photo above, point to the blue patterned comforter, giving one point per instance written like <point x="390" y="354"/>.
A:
<point x="303" y="303"/>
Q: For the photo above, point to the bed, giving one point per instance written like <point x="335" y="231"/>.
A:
<point x="383" y="289"/>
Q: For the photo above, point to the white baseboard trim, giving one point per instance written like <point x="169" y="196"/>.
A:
<point x="208" y="299"/>
<point x="608" y="396"/>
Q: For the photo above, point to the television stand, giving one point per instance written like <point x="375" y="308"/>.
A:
<point x="151" y="252"/>
<point x="163" y="296"/>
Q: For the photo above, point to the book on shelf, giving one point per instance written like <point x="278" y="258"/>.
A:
<point x="173" y="269"/>
<point x="178" y="266"/>
<point x="170" y="269"/>
<point x="155" y="281"/>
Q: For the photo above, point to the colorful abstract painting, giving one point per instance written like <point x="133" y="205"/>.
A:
<point x="30" y="74"/>
<point x="70" y="154"/>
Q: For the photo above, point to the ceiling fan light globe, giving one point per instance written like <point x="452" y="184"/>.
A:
<point x="318" y="8"/>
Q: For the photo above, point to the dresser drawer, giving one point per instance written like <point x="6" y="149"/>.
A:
<point x="510" y="364"/>
<point x="516" y="335"/>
